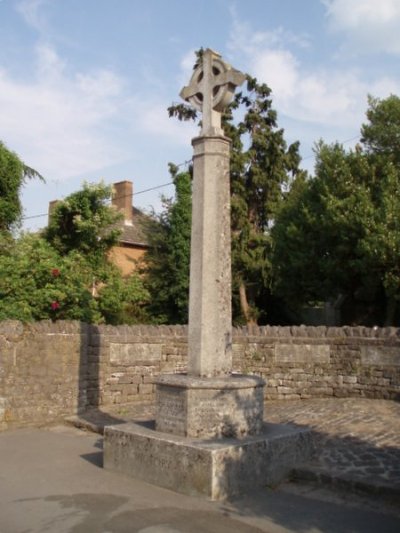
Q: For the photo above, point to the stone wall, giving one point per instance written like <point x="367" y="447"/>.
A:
<point x="50" y="370"/>
<point x="128" y="357"/>
<point x="42" y="371"/>
<point x="315" y="362"/>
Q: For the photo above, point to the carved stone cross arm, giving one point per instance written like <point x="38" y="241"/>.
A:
<point x="211" y="89"/>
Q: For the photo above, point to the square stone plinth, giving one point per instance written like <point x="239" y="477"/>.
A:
<point x="230" y="406"/>
<point x="217" y="469"/>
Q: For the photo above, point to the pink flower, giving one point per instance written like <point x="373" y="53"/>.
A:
<point x="55" y="305"/>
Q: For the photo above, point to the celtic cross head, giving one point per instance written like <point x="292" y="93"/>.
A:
<point x="211" y="90"/>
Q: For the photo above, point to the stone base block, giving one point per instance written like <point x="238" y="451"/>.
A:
<point x="230" y="406"/>
<point x="216" y="468"/>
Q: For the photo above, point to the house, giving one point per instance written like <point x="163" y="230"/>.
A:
<point x="132" y="243"/>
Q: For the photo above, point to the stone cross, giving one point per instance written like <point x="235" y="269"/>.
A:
<point x="209" y="402"/>
<point x="211" y="89"/>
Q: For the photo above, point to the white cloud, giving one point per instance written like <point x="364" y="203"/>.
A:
<point x="58" y="123"/>
<point x="318" y="96"/>
<point x="246" y="39"/>
<point x="324" y="95"/>
<point x="32" y="13"/>
<point x="49" y="66"/>
<point x="370" y="25"/>
<point x="280" y="68"/>
<point x="187" y="63"/>
<point x="153" y="118"/>
<point x="68" y="123"/>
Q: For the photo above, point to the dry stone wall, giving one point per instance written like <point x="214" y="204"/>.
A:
<point x="128" y="358"/>
<point x="51" y="370"/>
<point x="43" y="371"/>
<point x="315" y="362"/>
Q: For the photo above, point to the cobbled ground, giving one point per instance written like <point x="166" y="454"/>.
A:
<point x="357" y="441"/>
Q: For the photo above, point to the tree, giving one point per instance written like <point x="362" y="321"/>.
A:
<point x="123" y="300"/>
<point x="37" y="283"/>
<point x="262" y="166"/>
<point x="166" y="264"/>
<point x="381" y="135"/>
<point x="319" y="227"/>
<point x="338" y="233"/>
<point x="85" y="222"/>
<point x="13" y="173"/>
<point x="381" y="245"/>
<point x="66" y="273"/>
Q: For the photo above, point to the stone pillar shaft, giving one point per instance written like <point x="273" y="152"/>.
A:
<point x="210" y="317"/>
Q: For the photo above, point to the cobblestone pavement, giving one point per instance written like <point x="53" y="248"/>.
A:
<point x="357" y="440"/>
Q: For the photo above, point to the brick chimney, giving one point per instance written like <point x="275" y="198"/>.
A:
<point x="52" y="206"/>
<point x="122" y="199"/>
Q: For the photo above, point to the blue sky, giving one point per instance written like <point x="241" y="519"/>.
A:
<point x="85" y="84"/>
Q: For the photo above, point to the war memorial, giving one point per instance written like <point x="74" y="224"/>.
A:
<point x="208" y="437"/>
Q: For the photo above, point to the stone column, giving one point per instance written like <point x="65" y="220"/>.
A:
<point x="210" y="329"/>
<point x="209" y="401"/>
<point x="209" y="437"/>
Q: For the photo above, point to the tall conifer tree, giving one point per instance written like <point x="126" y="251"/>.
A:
<point x="166" y="264"/>
<point x="262" y="167"/>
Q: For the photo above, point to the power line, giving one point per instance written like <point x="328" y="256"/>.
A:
<point x="125" y="195"/>
<point x="342" y="142"/>
<point x="145" y="190"/>
<point x="114" y="198"/>
<point x="185" y="163"/>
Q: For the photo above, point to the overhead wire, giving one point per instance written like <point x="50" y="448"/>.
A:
<point x="342" y="142"/>
<point x="185" y="163"/>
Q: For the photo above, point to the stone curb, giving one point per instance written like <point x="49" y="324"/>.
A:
<point x="311" y="475"/>
<point x="85" y="425"/>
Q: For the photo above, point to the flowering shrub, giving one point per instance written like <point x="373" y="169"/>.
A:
<point x="65" y="273"/>
<point x="32" y="288"/>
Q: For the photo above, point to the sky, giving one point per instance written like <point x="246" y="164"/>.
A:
<point x="85" y="84"/>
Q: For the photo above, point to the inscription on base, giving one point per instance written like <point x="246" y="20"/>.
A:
<point x="170" y="416"/>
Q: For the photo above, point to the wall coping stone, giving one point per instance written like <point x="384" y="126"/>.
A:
<point x="16" y="328"/>
<point x="11" y="328"/>
<point x="362" y="362"/>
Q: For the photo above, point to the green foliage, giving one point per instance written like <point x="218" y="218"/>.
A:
<point x="380" y="247"/>
<point x="381" y="135"/>
<point x="37" y="283"/>
<point x="262" y="166"/>
<point x="66" y="273"/>
<point x="123" y="300"/>
<point x="166" y="266"/>
<point x="339" y="233"/>
<point x="84" y="222"/>
<point x="13" y="173"/>
<point x="319" y="228"/>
